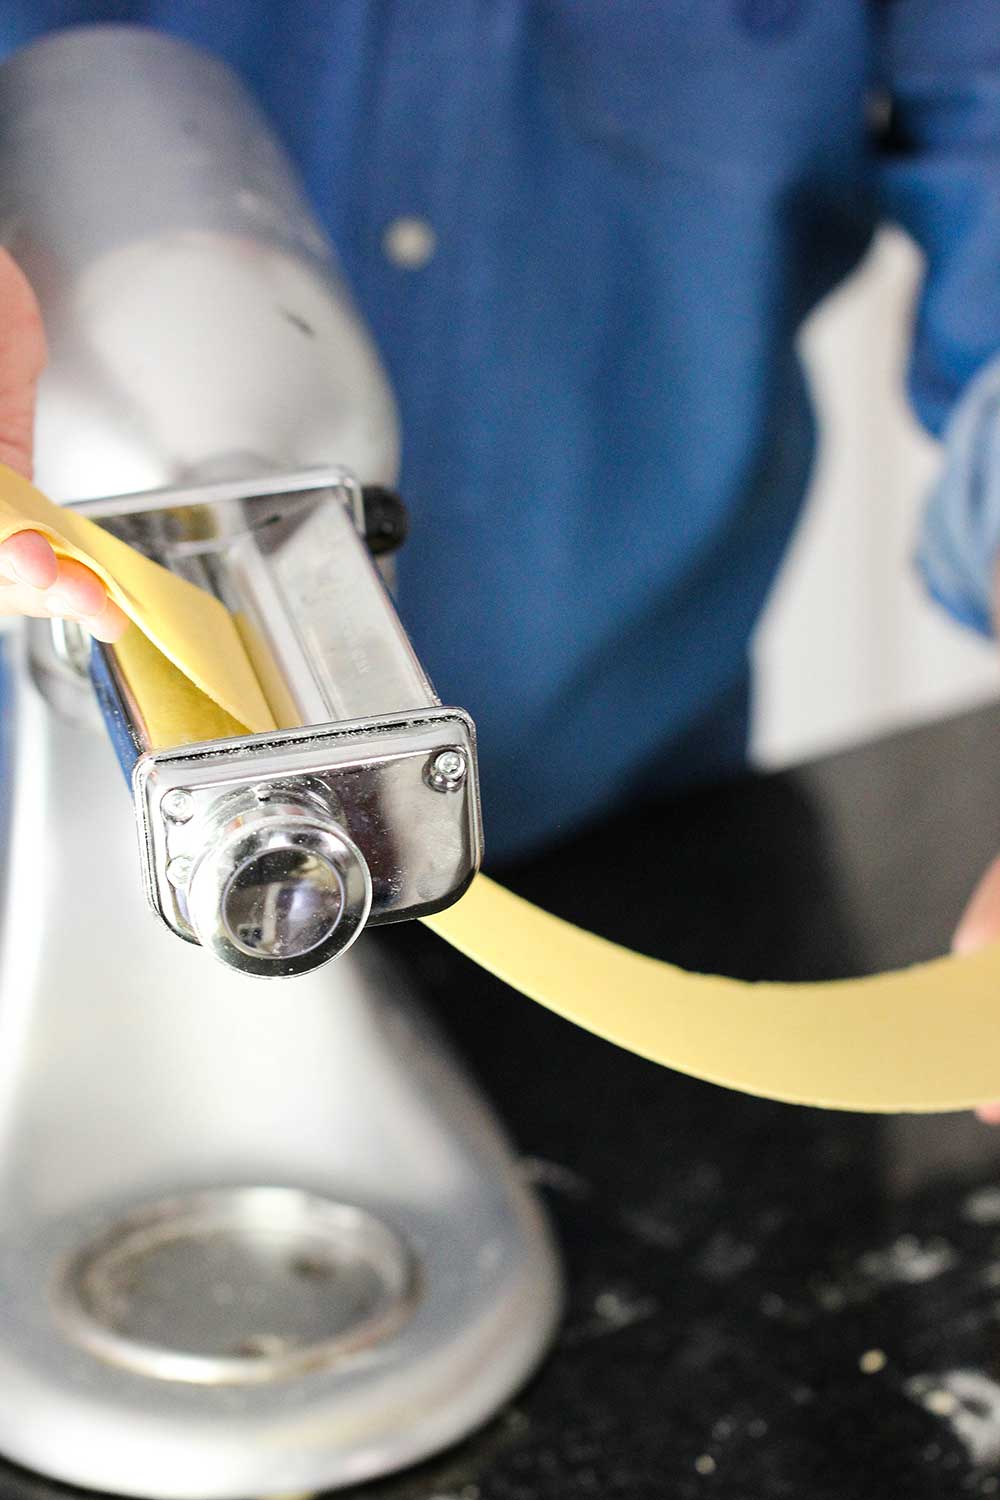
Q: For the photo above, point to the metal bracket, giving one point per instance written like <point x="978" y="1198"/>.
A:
<point x="402" y="788"/>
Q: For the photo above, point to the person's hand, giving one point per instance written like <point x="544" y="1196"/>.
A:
<point x="980" y="922"/>
<point x="33" y="581"/>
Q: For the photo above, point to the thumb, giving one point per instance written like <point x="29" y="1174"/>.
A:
<point x="980" y="925"/>
<point x="22" y="357"/>
<point x="980" y="922"/>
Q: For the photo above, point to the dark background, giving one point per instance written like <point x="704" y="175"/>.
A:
<point x="731" y="1261"/>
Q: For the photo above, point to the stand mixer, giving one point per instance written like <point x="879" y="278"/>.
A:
<point x="255" y="1239"/>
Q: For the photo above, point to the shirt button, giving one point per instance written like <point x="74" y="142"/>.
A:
<point x="409" y="243"/>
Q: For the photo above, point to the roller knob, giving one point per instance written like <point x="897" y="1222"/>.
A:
<point x="280" y="888"/>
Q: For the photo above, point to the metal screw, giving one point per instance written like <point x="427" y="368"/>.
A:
<point x="447" y="770"/>
<point x="179" y="870"/>
<point x="177" y="805"/>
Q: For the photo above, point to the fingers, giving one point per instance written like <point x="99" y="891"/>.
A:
<point x="76" y="593"/>
<point x="22" y="356"/>
<point x="980" y="923"/>
<point x="28" y="558"/>
<point x="111" y="624"/>
<point x="33" y="581"/>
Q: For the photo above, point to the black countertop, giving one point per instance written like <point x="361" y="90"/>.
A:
<point x="764" y="1301"/>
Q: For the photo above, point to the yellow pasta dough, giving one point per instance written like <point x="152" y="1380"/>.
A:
<point x="188" y="626"/>
<point x="924" y="1038"/>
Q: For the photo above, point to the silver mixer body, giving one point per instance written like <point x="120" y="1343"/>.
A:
<point x="254" y="1239"/>
<point x="212" y="398"/>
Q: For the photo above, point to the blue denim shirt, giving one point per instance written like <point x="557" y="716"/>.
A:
<point x="606" y="432"/>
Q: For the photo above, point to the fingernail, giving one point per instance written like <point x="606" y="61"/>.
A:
<point x="98" y="625"/>
<point x="966" y="940"/>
